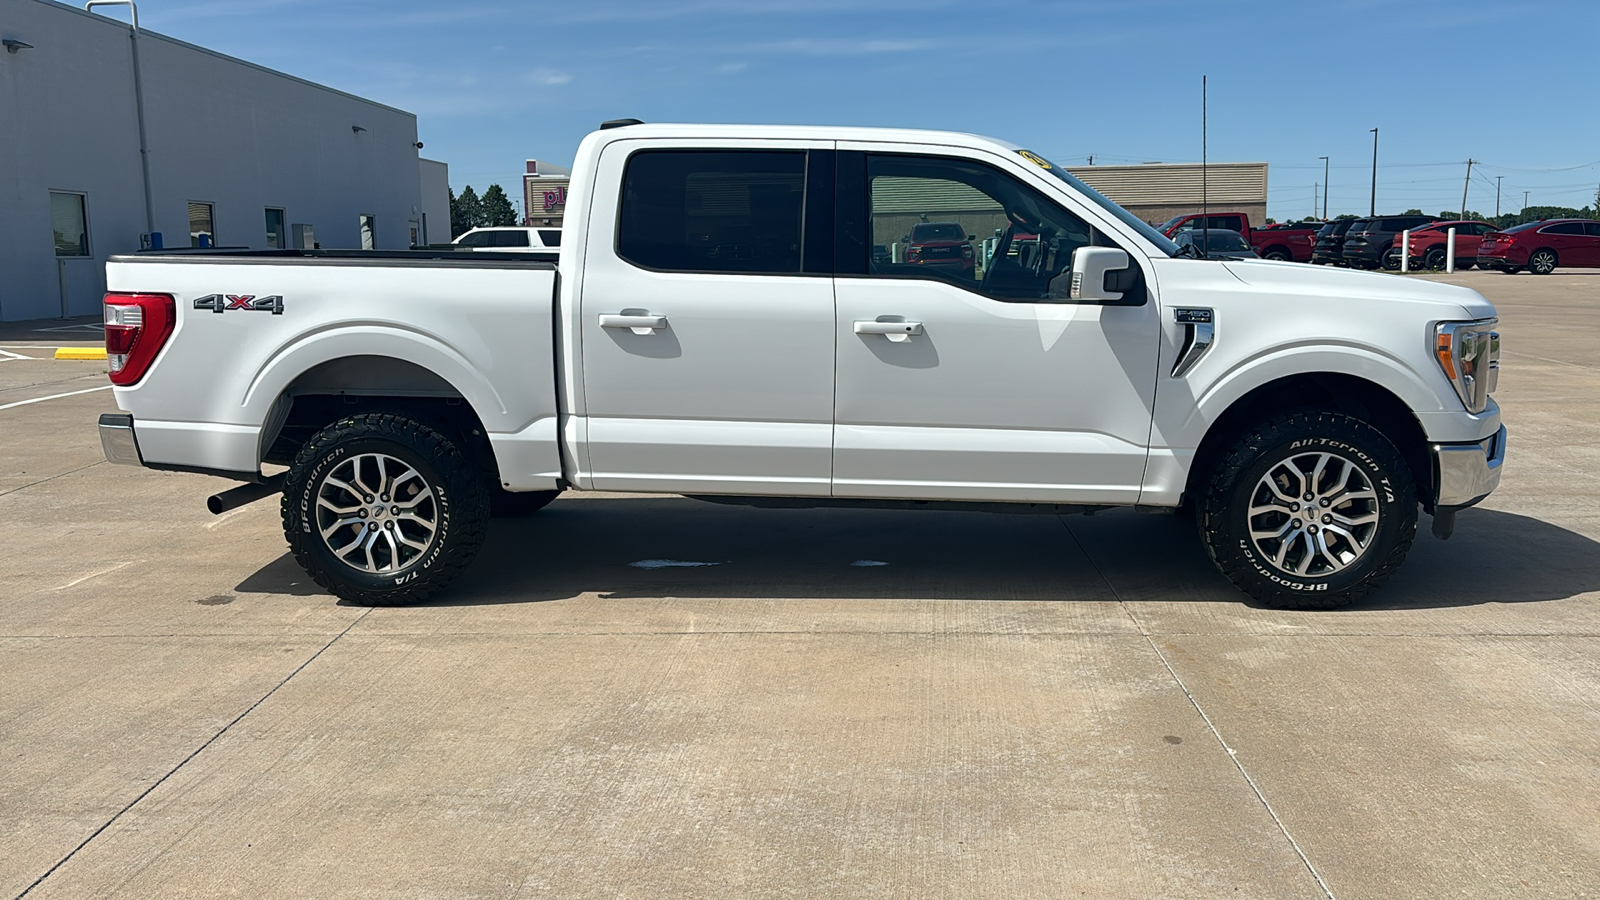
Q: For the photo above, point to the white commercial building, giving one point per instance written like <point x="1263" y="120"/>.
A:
<point x="231" y="154"/>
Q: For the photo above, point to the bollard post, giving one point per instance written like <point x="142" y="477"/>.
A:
<point x="1405" y="251"/>
<point x="1450" y="251"/>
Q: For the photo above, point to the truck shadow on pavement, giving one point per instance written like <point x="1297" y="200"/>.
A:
<point x="672" y="547"/>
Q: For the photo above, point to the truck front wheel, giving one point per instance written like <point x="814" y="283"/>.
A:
<point x="1312" y="510"/>
<point x="383" y="510"/>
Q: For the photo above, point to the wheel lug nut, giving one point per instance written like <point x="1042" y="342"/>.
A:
<point x="1310" y="497"/>
<point x="369" y="498"/>
<point x="1294" y="507"/>
<point x="396" y="510"/>
<point x="1294" y="523"/>
<point x="384" y="497"/>
<point x="362" y="513"/>
<point x="1323" y="501"/>
<point x="372" y="526"/>
<point x="389" y="525"/>
<point x="1312" y="529"/>
<point x="1327" y="520"/>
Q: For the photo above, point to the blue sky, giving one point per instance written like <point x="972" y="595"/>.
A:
<point x="1515" y="85"/>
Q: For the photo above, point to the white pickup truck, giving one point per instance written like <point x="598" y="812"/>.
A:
<point x="722" y="322"/>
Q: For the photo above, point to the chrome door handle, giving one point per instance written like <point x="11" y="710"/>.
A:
<point x="637" y="324"/>
<point x="894" y="331"/>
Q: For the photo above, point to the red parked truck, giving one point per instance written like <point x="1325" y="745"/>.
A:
<point x="1291" y="240"/>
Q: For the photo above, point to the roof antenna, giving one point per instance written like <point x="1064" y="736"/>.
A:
<point x="1205" y="213"/>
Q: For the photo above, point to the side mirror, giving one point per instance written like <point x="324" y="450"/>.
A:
<point x="1090" y="266"/>
<point x="972" y="237"/>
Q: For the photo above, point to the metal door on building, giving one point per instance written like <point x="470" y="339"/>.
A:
<point x="79" y="277"/>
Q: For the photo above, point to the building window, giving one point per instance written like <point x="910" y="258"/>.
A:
<point x="369" y="233"/>
<point x="68" y="224"/>
<point x="275" y="234"/>
<point x="200" y="230"/>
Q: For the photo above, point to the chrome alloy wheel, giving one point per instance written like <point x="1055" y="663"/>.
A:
<point x="1313" y="514"/>
<point x="376" y="513"/>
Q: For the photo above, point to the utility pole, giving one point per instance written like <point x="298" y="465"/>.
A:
<point x="1497" y="195"/>
<point x="1464" y="185"/>
<point x="1314" y="187"/>
<point x="1324" y="188"/>
<point x="1091" y="159"/>
<point x="1524" y="216"/>
<point x="1373" y="209"/>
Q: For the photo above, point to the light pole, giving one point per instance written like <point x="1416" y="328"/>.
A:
<point x="1497" y="195"/>
<point x="1524" y="216"/>
<point x="1373" y="209"/>
<point x="138" y="104"/>
<point x="1324" y="187"/>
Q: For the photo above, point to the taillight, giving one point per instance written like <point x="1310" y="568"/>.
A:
<point x="966" y="251"/>
<point x="137" y="326"/>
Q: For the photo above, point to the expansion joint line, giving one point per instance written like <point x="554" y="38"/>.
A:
<point x="185" y="761"/>
<point x="1233" y="755"/>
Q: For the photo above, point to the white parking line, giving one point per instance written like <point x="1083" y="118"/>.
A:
<point x="7" y="357"/>
<point x="103" y="387"/>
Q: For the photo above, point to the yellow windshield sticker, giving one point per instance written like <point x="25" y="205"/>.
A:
<point x="1034" y="158"/>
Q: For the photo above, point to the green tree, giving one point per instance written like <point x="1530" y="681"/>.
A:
<point x="497" y="209"/>
<point x="466" y="212"/>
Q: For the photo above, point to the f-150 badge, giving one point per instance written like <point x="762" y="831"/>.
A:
<point x="222" y="302"/>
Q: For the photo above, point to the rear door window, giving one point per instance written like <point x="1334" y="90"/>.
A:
<point x="1593" y="228"/>
<point x="1563" y="228"/>
<point x="727" y="211"/>
<point x="510" y="239"/>
<point x="550" y="236"/>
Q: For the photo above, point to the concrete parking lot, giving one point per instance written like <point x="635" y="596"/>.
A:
<point x="839" y="704"/>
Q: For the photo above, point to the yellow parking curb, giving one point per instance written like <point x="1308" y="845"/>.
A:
<point x="80" y="353"/>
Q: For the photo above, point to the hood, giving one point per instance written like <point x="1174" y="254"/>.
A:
<point x="1305" y="280"/>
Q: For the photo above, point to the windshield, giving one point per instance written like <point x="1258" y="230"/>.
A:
<point x="1225" y="240"/>
<point x="1121" y="215"/>
<point x="937" y="231"/>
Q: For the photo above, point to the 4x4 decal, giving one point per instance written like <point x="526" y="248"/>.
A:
<point x="220" y="302"/>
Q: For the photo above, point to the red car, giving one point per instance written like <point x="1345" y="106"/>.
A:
<point x="1541" y="246"/>
<point x="1427" y="248"/>
<point x="943" y="244"/>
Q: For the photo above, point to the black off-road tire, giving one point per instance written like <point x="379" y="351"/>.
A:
<point x="459" y="513"/>
<point x="1224" y="521"/>
<point x="504" y="504"/>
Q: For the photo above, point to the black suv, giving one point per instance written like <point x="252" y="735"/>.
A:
<point x="1368" y="241"/>
<point x="1328" y="249"/>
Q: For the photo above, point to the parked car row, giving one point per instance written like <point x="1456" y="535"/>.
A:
<point x="1539" y="247"/>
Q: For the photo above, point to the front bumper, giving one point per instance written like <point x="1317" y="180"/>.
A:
<point x="1467" y="473"/>
<point x="117" y="440"/>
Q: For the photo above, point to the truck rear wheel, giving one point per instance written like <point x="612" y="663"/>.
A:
<point x="383" y="510"/>
<point x="1312" y="510"/>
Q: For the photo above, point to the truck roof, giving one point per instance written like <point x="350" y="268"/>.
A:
<point x="800" y="133"/>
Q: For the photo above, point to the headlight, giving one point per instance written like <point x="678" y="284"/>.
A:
<point x="1469" y="354"/>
